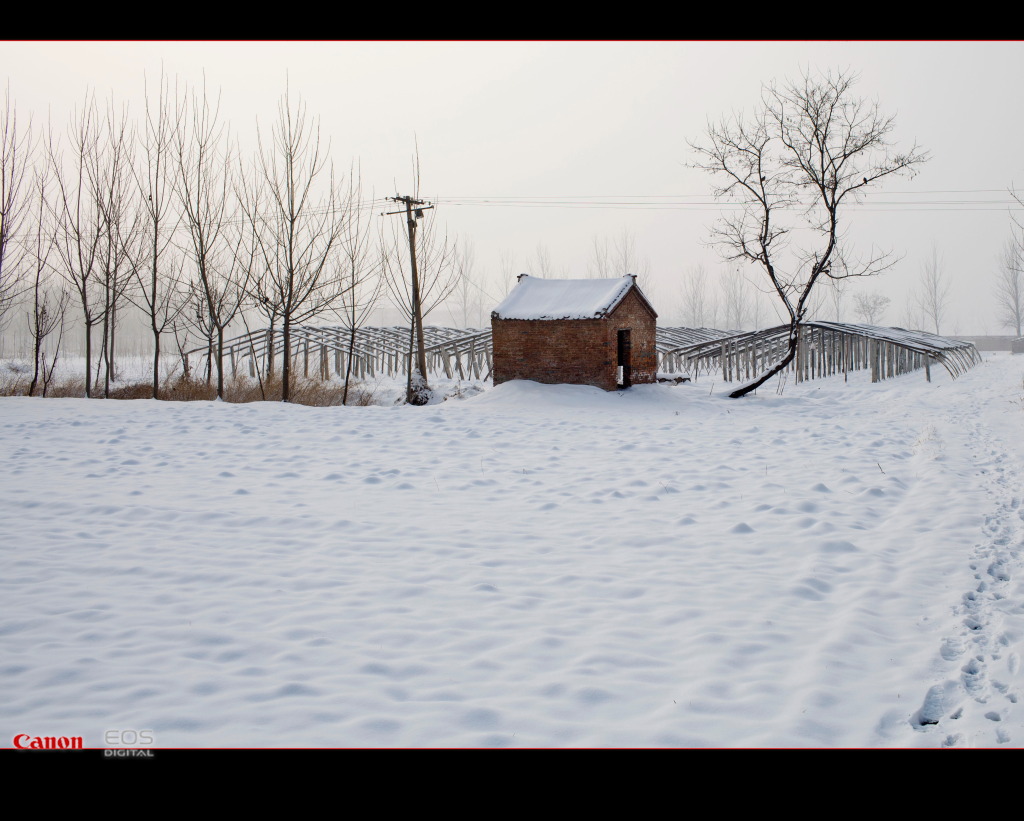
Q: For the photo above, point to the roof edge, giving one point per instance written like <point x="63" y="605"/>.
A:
<point x="639" y="293"/>
<point x="602" y="314"/>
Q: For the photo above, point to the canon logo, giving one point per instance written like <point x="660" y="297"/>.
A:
<point x="23" y="741"/>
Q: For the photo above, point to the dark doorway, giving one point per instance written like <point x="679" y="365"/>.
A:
<point x="624" y="375"/>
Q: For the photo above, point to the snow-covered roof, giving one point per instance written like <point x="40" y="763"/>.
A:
<point x="536" y="298"/>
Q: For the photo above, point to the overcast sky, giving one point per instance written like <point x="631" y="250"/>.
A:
<point x="600" y="120"/>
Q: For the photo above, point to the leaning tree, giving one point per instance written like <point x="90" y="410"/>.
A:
<point x="791" y="169"/>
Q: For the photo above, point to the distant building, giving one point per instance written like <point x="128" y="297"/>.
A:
<point x="597" y="332"/>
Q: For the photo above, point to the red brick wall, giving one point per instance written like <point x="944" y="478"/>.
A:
<point x="633" y="314"/>
<point x="575" y="351"/>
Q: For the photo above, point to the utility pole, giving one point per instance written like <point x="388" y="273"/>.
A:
<point x="414" y="395"/>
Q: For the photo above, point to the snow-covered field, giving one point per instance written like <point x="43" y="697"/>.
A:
<point x="838" y="565"/>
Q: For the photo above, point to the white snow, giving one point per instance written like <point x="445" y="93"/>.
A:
<point x="838" y="565"/>
<point x="536" y="298"/>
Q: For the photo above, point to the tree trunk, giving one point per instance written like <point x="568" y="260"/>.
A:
<point x="35" y="360"/>
<point x="792" y="342"/>
<point x="348" y="367"/>
<point x="111" y="372"/>
<point x="270" y="351"/>
<point x="220" y="363"/>
<point x="105" y="346"/>
<point x="286" y="363"/>
<point x="156" y="365"/>
<point x="88" y="358"/>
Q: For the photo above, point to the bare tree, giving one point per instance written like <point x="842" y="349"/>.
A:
<point x="933" y="291"/>
<point x="699" y="305"/>
<point x="260" y="289"/>
<point x="736" y="300"/>
<point x="1009" y="290"/>
<point x="49" y="304"/>
<point x="474" y="295"/>
<point x="507" y="273"/>
<point x="619" y="256"/>
<point x="599" y="265"/>
<point x="16" y="151"/>
<point x="221" y="246"/>
<point x="540" y="265"/>
<point x="197" y="322"/>
<point x="616" y="257"/>
<point x="468" y="295"/>
<point x="109" y="168"/>
<point x="869" y="308"/>
<point x="157" y="273"/>
<point x="837" y="298"/>
<point x="799" y="160"/>
<point x="912" y="316"/>
<point x="79" y="220"/>
<point x="359" y="271"/>
<point x="192" y="324"/>
<point x="296" y="224"/>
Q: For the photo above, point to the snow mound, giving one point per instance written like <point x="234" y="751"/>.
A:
<point x="524" y="394"/>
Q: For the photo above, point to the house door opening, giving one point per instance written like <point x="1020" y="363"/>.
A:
<point x="624" y="375"/>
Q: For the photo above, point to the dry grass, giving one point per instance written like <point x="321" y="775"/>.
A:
<point x="132" y="390"/>
<point x="184" y="389"/>
<point x="311" y="392"/>
<point x="241" y="390"/>
<point x="361" y="394"/>
<point x="15" y="381"/>
<point x="303" y="391"/>
<point x="72" y="387"/>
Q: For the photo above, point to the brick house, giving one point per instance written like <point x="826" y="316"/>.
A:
<point x="597" y="332"/>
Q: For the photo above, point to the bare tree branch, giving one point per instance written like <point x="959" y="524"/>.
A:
<point x="79" y="219"/>
<point x="158" y="278"/>
<point x="16" y="151"/>
<point x="870" y="307"/>
<point x="218" y="247"/>
<point x="359" y="270"/>
<point x="1009" y="287"/>
<point x="933" y="291"/>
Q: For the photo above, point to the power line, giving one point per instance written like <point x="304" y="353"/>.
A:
<point x="911" y="206"/>
<point x="704" y="194"/>
<point x="672" y="202"/>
